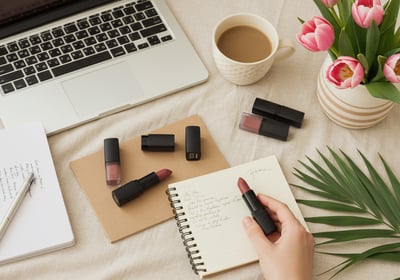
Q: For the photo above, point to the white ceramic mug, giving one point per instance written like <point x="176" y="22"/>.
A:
<point x="245" y="73"/>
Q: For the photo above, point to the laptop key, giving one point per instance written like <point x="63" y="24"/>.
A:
<point x="13" y="47"/>
<point x="151" y="12"/>
<point x="46" y="36"/>
<point x="100" y="47"/>
<point x="31" y="80"/>
<point x="6" y="68"/>
<point x="153" y="30"/>
<point x="77" y="55"/>
<point x="29" y="70"/>
<point x="130" y="47"/>
<point x="144" y="6"/>
<point x="117" y="52"/>
<point x="43" y="76"/>
<point x="78" y="64"/>
<point x="153" y="40"/>
<point x="94" y="20"/>
<point x="151" y="21"/>
<point x="12" y="57"/>
<point x="19" y="84"/>
<point x="35" y="40"/>
<point x="3" y="60"/>
<point x="11" y="76"/>
<point x="82" y="24"/>
<point x="70" y="28"/>
<point x="24" y="43"/>
<point x="41" y="66"/>
<point x="166" y="38"/>
<point x="88" y="51"/>
<point x="31" y="60"/>
<point x="3" y="50"/>
<point x="53" y="62"/>
<point x="7" y="88"/>
<point x="58" y="42"/>
<point x="19" y="64"/>
<point x="65" y="58"/>
<point x="58" y="32"/>
<point x="94" y="30"/>
<point x="143" y="46"/>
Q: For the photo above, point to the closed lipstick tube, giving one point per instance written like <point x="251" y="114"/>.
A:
<point x="112" y="161"/>
<point x="257" y="210"/>
<point x="278" y="112"/>
<point x="264" y="126"/>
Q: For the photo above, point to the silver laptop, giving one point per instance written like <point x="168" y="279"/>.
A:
<point x="67" y="62"/>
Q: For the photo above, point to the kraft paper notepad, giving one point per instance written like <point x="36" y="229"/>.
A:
<point x="209" y="211"/>
<point x="152" y="207"/>
<point x="41" y="224"/>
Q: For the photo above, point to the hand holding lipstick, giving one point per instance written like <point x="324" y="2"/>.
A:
<point x="291" y="246"/>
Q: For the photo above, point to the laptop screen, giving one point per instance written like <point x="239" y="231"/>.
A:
<point x="15" y="10"/>
<point x="21" y="15"/>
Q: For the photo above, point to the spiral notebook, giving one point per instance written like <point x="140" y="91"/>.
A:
<point x="209" y="210"/>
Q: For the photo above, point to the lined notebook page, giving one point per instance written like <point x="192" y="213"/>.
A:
<point x="41" y="223"/>
<point x="214" y="209"/>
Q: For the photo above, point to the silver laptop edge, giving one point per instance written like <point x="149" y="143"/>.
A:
<point x="129" y="80"/>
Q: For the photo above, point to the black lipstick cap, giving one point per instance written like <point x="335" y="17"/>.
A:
<point x="158" y="142"/>
<point x="111" y="150"/>
<point x="278" y="112"/>
<point x="192" y="143"/>
<point x="275" y="129"/>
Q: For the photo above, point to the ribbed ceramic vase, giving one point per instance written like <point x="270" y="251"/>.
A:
<point x="351" y="108"/>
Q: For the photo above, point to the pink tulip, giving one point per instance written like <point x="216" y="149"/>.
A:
<point x="366" y="11"/>
<point x="329" y="3"/>
<point x="392" y="68"/>
<point x="345" y="72"/>
<point x="316" y="34"/>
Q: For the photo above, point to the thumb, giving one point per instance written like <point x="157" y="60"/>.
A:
<point x="256" y="235"/>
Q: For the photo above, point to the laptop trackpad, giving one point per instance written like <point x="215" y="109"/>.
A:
<point x="103" y="90"/>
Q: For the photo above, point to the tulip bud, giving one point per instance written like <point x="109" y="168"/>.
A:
<point x="366" y="11"/>
<point x="316" y="34"/>
<point x="329" y="3"/>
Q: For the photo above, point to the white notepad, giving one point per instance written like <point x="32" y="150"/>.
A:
<point x="209" y="211"/>
<point x="41" y="224"/>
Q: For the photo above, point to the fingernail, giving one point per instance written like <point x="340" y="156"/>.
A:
<point x="247" y="221"/>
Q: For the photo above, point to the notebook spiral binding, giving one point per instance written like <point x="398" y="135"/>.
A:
<point x="186" y="235"/>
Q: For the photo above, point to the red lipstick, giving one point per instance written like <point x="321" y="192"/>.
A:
<point x="257" y="210"/>
<point x="135" y="188"/>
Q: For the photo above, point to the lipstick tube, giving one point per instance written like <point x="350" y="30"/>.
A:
<point x="112" y="161"/>
<point x="264" y="126"/>
<point x="257" y="210"/>
<point x="135" y="188"/>
<point x="278" y="112"/>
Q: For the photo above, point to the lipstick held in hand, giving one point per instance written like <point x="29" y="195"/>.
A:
<point x="135" y="188"/>
<point x="257" y="210"/>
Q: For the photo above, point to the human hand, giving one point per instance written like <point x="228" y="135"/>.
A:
<point x="287" y="253"/>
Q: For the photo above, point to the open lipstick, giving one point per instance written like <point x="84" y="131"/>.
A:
<point x="257" y="210"/>
<point x="135" y="188"/>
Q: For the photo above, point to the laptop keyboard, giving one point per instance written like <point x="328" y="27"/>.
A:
<point x="82" y="43"/>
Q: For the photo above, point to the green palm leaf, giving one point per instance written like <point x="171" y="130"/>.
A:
<point x="363" y="202"/>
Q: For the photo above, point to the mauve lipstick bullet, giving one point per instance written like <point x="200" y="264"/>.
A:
<point x="112" y="162"/>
